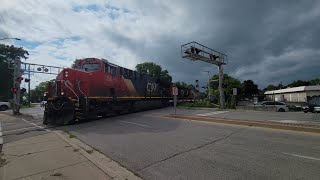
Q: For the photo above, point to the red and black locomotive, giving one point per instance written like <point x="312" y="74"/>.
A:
<point x="95" y="87"/>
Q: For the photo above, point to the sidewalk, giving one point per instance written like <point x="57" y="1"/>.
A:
<point x="56" y="155"/>
<point x="46" y="157"/>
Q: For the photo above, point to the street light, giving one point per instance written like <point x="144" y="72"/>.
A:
<point x="11" y="38"/>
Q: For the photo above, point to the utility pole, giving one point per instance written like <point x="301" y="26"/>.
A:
<point x="221" y="92"/>
<point x="16" y="84"/>
<point x="208" y="85"/>
<point x="29" y="92"/>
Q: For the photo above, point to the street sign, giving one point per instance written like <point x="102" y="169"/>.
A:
<point x="174" y="91"/>
<point x="235" y="92"/>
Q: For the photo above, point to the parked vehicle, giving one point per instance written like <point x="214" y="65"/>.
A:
<point x="4" y="105"/>
<point x="313" y="105"/>
<point x="280" y="106"/>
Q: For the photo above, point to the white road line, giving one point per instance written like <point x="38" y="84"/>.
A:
<point x="212" y="113"/>
<point x="136" y="124"/>
<point x="20" y="129"/>
<point x="1" y="139"/>
<point x="36" y="125"/>
<point x="300" y="156"/>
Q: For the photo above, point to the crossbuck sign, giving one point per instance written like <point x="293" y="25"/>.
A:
<point x="174" y="91"/>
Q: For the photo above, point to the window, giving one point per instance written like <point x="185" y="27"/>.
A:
<point x="269" y="103"/>
<point x="279" y="103"/>
<point x="91" y="67"/>
<point x="113" y="70"/>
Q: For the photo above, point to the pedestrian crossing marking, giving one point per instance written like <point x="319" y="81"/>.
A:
<point x="212" y="113"/>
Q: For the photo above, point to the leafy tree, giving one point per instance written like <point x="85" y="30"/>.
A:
<point x="270" y="87"/>
<point x="181" y="84"/>
<point x="315" y="82"/>
<point x="7" y="55"/>
<point x="155" y="71"/>
<point x="38" y="92"/>
<point x="229" y="83"/>
<point x="248" y="88"/>
<point x="299" y="83"/>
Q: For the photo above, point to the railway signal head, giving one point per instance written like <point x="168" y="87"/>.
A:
<point x="27" y="80"/>
<point x="23" y="90"/>
<point x="14" y="90"/>
<point x="19" y="79"/>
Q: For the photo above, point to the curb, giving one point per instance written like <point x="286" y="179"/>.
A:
<point x="265" y="124"/>
<point x="107" y="165"/>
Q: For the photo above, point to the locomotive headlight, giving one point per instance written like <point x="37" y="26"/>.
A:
<point x="62" y="93"/>
<point x="66" y="74"/>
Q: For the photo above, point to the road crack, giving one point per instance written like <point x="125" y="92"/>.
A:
<point x="194" y="148"/>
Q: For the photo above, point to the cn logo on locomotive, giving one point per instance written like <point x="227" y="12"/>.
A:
<point x="151" y="87"/>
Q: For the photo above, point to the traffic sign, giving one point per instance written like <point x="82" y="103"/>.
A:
<point x="174" y="91"/>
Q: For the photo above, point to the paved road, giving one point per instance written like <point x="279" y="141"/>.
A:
<point x="287" y="117"/>
<point x="162" y="148"/>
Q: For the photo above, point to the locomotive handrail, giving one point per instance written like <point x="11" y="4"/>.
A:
<point x="81" y="90"/>
<point x="83" y="93"/>
<point x="65" y="83"/>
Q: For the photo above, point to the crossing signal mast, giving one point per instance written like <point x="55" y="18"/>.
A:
<point x="20" y="68"/>
<point x="198" y="52"/>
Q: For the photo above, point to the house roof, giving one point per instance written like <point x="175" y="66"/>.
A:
<point x="295" y="89"/>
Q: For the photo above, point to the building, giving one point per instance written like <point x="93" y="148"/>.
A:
<point x="295" y="95"/>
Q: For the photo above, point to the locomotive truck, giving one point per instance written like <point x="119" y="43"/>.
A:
<point x="96" y="87"/>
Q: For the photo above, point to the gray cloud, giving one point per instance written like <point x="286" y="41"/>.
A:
<point x="266" y="41"/>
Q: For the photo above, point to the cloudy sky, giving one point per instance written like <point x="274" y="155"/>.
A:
<point x="266" y="41"/>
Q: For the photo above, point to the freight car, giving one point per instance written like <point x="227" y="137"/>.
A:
<point x="95" y="87"/>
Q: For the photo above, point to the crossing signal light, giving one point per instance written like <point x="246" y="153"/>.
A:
<point x="19" y="79"/>
<point x="14" y="90"/>
<point x="23" y="90"/>
<point x="27" y="80"/>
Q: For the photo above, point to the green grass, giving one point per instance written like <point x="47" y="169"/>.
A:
<point x="72" y="136"/>
<point x="205" y="104"/>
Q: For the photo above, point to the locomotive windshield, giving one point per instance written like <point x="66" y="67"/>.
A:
<point x="91" y="67"/>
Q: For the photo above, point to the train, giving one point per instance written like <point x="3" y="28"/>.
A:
<point x="95" y="87"/>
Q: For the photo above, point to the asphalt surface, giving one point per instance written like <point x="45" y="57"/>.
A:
<point x="162" y="148"/>
<point x="285" y="117"/>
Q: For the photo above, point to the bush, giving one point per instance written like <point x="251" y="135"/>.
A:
<point x="206" y="104"/>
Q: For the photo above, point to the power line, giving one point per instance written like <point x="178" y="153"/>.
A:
<point x="5" y="34"/>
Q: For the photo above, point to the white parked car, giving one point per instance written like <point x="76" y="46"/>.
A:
<point x="281" y="106"/>
<point x="4" y="105"/>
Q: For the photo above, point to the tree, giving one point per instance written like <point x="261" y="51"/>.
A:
<point x="7" y="55"/>
<point x="248" y="88"/>
<point x="314" y="82"/>
<point x="270" y="87"/>
<point x="299" y="83"/>
<point x="155" y="71"/>
<point x="37" y="93"/>
<point x="181" y="84"/>
<point x="229" y="83"/>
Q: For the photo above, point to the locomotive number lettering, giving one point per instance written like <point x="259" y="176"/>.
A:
<point x="151" y="87"/>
